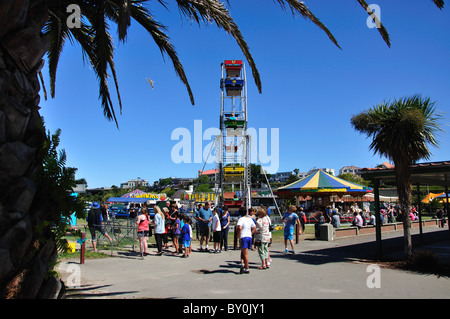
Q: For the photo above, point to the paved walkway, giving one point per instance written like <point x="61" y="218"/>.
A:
<point x="318" y="270"/>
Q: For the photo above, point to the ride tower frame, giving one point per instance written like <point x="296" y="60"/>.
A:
<point x="232" y="146"/>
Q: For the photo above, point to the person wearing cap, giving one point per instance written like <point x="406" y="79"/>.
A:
<point x="95" y="222"/>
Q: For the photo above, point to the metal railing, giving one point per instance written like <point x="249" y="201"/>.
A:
<point x="123" y="233"/>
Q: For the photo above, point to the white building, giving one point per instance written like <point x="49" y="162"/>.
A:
<point x="133" y="183"/>
<point x="280" y="177"/>
<point x="349" y="169"/>
<point x="80" y="188"/>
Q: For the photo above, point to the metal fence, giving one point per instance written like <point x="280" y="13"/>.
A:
<point x="123" y="233"/>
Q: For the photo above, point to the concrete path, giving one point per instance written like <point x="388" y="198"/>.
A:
<point x="318" y="270"/>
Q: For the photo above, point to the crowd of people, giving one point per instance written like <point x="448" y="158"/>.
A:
<point x="253" y="229"/>
<point x="389" y="213"/>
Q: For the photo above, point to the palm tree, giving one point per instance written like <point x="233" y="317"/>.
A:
<point x="30" y="29"/>
<point x="401" y="131"/>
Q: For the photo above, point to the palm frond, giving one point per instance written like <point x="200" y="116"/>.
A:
<point x="214" y="10"/>
<point x="141" y="15"/>
<point x="402" y="129"/>
<point x="300" y="8"/>
<point x="41" y="78"/>
<point x="95" y="41"/>
<point x="124" y="20"/>
<point x="439" y="3"/>
<point x="58" y="33"/>
<point x="102" y="48"/>
<point x="112" y="67"/>
<point x="381" y="29"/>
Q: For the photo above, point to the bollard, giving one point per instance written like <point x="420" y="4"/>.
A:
<point x="83" y="248"/>
<point x="326" y="232"/>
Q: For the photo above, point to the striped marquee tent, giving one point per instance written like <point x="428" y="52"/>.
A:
<point x="129" y="197"/>
<point x="133" y="193"/>
<point x="321" y="183"/>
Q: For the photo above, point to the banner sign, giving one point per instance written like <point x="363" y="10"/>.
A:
<point x="151" y="196"/>
<point x="201" y="197"/>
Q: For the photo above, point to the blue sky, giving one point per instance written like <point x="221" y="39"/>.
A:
<point x="310" y="88"/>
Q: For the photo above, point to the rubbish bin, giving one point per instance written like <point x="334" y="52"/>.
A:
<point x="70" y="248"/>
<point x="326" y="232"/>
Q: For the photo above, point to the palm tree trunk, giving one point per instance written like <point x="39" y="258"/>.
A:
<point x="24" y="260"/>
<point x="404" y="190"/>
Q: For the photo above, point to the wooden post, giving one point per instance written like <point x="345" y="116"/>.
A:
<point x="376" y="194"/>
<point x="446" y="206"/>
<point x="83" y="247"/>
<point x="419" y="214"/>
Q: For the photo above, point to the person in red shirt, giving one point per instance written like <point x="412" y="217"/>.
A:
<point x="143" y="230"/>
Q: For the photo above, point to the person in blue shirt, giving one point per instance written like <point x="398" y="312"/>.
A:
<point x="335" y="220"/>
<point x="204" y="219"/>
<point x="290" y="218"/>
<point x="224" y="223"/>
<point x="186" y="236"/>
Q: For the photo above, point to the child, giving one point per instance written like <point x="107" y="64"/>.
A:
<point x="186" y="232"/>
<point x="176" y="232"/>
<point x="290" y="218"/>
<point x="245" y="228"/>
<point x="216" y="230"/>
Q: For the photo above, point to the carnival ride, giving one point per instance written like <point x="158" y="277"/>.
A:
<point x="232" y="148"/>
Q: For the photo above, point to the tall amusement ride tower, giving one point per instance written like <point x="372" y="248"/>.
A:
<point x="232" y="146"/>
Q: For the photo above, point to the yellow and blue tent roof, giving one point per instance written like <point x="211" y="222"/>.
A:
<point x="321" y="182"/>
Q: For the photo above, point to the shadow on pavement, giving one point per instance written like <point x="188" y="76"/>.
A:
<point x="392" y="249"/>
<point x="88" y="291"/>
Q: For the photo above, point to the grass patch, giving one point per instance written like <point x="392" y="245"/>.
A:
<point x="126" y="244"/>
<point x="87" y="255"/>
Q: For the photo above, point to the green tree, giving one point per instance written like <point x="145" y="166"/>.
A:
<point x="165" y="181"/>
<point x="257" y="175"/>
<point x="203" y="188"/>
<point x="401" y="131"/>
<point x="29" y="29"/>
<point x="81" y="181"/>
<point x="292" y="178"/>
<point x="169" y="191"/>
<point x="55" y="184"/>
<point x="202" y="184"/>
<point x="354" y="179"/>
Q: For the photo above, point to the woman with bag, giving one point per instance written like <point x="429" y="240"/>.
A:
<point x="160" y="229"/>
<point x="143" y="230"/>
<point x="262" y="237"/>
